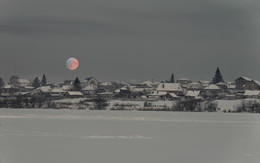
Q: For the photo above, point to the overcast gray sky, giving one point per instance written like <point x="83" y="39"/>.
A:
<point x="130" y="39"/>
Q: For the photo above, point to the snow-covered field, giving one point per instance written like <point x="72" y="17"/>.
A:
<point x="79" y="136"/>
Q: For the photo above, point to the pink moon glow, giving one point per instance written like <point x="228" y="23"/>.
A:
<point x="72" y="63"/>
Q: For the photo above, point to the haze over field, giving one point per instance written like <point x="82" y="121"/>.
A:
<point x="130" y="40"/>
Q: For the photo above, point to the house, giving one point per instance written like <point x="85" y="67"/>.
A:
<point x="183" y="81"/>
<point x="222" y="85"/>
<point x="171" y="97"/>
<point x="73" y="94"/>
<point x="241" y="82"/>
<point x="170" y="88"/>
<point x="141" y="88"/>
<point x="89" y="90"/>
<point x="204" y="83"/>
<point x="42" y="91"/>
<point x="123" y="92"/>
<point x="27" y="88"/>
<point x="24" y="82"/>
<point x="9" y="89"/>
<point x="153" y="84"/>
<point x="107" y="95"/>
<point x="91" y="80"/>
<point x="212" y="88"/>
<point x="157" y="95"/>
<point x="252" y="85"/>
<point x="194" y="86"/>
<point x="105" y="84"/>
<point x="192" y="94"/>
<point x="57" y="92"/>
<point x="163" y="96"/>
<point x="66" y="87"/>
<point x="251" y="94"/>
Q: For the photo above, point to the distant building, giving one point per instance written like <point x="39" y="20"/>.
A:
<point x="170" y="88"/>
<point x="194" y="86"/>
<point x="163" y="96"/>
<point x="241" y="82"/>
<point x="92" y="80"/>
<point x="89" y="90"/>
<point x="252" y="85"/>
<point x="183" y="81"/>
<point x="24" y="82"/>
<point x="212" y="88"/>
<point x="222" y="85"/>
<point x="251" y="94"/>
<point x="73" y="94"/>
<point x="192" y="94"/>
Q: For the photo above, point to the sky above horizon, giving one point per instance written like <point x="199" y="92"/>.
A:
<point x="130" y="40"/>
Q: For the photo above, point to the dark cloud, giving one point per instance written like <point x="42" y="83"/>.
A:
<point x="137" y="39"/>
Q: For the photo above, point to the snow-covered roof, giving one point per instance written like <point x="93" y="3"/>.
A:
<point x="195" y="85"/>
<point x="45" y="88"/>
<point x="257" y="82"/>
<point x="232" y="86"/>
<point x="158" y="93"/>
<point x="66" y="87"/>
<point x="57" y="90"/>
<point x="106" y="93"/>
<point x="90" y="88"/>
<point x="7" y="86"/>
<point x="117" y="91"/>
<point x="251" y="93"/>
<point x="106" y="84"/>
<point x="212" y="87"/>
<point x="90" y="79"/>
<point x="193" y="93"/>
<point x="138" y="89"/>
<point x="124" y="88"/>
<point x="245" y="78"/>
<point x="147" y="82"/>
<point x="204" y="82"/>
<point x="28" y="87"/>
<point x="221" y="83"/>
<point x="183" y="79"/>
<point x="22" y="93"/>
<point x="230" y="83"/>
<point x="173" y="95"/>
<point x="169" y="87"/>
<point x="74" y="93"/>
<point x="23" y="81"/>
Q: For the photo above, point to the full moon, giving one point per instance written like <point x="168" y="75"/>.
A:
<point x="72" y="63"/>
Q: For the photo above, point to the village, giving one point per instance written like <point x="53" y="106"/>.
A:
<point x="240" y="95"/>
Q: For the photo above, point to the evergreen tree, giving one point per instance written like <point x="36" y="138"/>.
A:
<point x="44" y="80"/>
<point x="76" y="85"/>
<point x="172" y="79"/>
<point x="36" y="83"/>
<point x="14" y="80"/>
<point x="2" y="83"/>
<point x="218" y="77"/>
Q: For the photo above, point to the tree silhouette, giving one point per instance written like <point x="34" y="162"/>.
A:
<point x="14" y="80"/>
<point x="44" y="80"/>
<point x="76" y="85"/>
<point x="172" y="79"/>
<point x="218" y="77"/>
<point x="36" y="83"/>
<point x="2" y="83"/>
